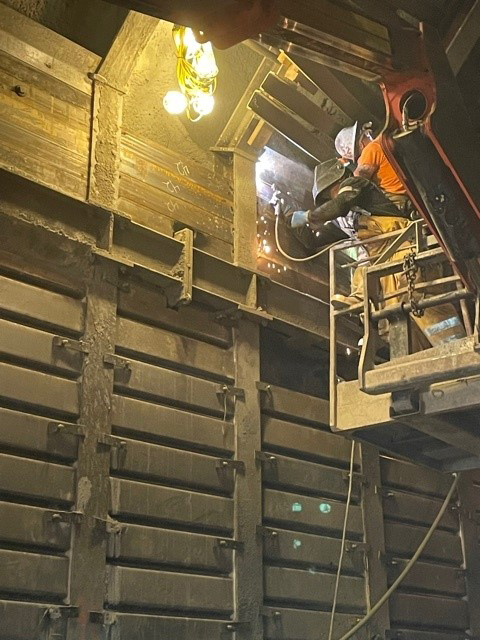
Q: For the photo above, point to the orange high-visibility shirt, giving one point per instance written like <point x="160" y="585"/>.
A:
<point x="385" y="176"/>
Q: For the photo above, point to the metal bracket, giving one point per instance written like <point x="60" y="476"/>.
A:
<point x="261" y="456"/>
<point x="384" y="493"/>
<point x="181" y="294"/>
<point x="235" y="626"/>
<point x="268" y="613"/>
<point x="110" y="525"/>
<point x="106" y="618"/>
<point x="358" y="478"/>
<point x="388" y="560"/>
<point x="69" y="517"/>
<point x="356" y="547"/>
<point x="77" y="430"/>
<point x="111" y="441"/>
<point x="56" y="613"/>
<point x="266" y="533"/>
<point x="72" y="345"/>
<point x="228" y="543"/>
<point x="231" y="392"/>
<point x="264" y="387"/>
<point x="116" y="362"/>
<point x="230" y="317"/>
<point x="224" y="464"/>
<point x="404" y="403"/>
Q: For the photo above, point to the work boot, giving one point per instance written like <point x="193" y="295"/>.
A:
<point x="342" y="302"/>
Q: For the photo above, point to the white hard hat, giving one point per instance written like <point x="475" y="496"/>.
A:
<point x="346" y="143"/>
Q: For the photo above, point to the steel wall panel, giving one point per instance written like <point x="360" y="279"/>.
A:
<point x="301" y="512"/>
<point x="291" y="404"/>
<point x="33" y="575"/>
<point x="31" y="433"/>
<point x="159" y="590"/>
<point x="313" y="443"/>
<point x="40" y="305"/>
<point x="151" y="502"/>
<point x="18" y="341"/>
<point x="34" y="388"/>
<point x="410" y="477"/>
<point x="146" y="545"/>
<point x="428" y="577"/>
<point x="308" y="477"/>
<point x="27" y="621"/>
<point x="417" y="510"/>
<point x="297" y="624"/>
<point x="146" y="304"/>
<point x="165" y="346"/>
<point x="313" y="588"/>
<point x="403" y="539"/>
<point x="169" y="425"/>
<point x="35" y="479"/>
<point x="162" y="384"/>
<point x="174" y="467"/>
<point x="427" y="611"/>
<point x="318" y="552"/>
<point x="140" y="627"/>
<point x="34" y="527"/>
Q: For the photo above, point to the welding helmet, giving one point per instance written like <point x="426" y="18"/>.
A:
<point x="326" y="175"/>
<point x="346" y="142"/>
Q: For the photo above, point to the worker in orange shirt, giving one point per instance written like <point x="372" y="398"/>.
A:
<point x="357" y="144"/>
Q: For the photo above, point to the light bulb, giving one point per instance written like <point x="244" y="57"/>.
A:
<point x="203" y="103"/>
<point x="175" y="102"/>
<point x="204" y="62"/>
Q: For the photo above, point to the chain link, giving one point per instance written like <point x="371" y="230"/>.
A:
<point x="410" y="269"/>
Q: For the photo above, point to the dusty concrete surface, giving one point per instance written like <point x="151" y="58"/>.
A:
<point x="90" y="23"/>
<point x="145" y="116"/>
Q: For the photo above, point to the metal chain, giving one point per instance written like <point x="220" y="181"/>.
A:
<point x="410" y="269"/>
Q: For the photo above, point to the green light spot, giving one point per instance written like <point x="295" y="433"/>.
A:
<point x="325" y="507"/>
<point x="296" y="507"/>
<point x="297" y="544"/>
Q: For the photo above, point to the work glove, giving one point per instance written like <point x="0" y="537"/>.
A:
<point x="298" y="219"/>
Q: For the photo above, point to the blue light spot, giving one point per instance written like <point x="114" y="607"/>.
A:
<point x="325" y="508"/>
<point x="297" y="544"/>
<point x="296" y="507"/>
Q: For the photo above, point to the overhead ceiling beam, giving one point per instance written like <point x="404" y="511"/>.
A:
<point x="465" y="39"/>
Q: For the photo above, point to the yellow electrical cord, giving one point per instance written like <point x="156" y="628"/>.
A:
<point x="191" y="83"/>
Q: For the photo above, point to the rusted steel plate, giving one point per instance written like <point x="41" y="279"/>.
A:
<point x="163" y="384"/>
<point x="428" y="611"/>
<point x="166" y="346"/>
<point x="33" y="575"/>
<point x="39" y="389"/>
<point x="27" y="432"/>
<point x="313" y="588"/>
<point x="169" y="425"/>
<point x="142" y="546"/>
<point x="418" y="510"/>
<point x="162" y="504"/>
<point x="290" y="404"/>
<point x="18" y="341"/>
<point x="144" y="302"/>
<point x="427" y="577"/>
<point x="298" y="475"/>
<point x="40" y="305"/>
<point x="315" y="552"/>
<point x="140" y="627"/>
<point x="310" y="514"/>
<point x="33" y="526"/>
<point x="174" y="466"/>
<point x="279" y="435"/>
<point x="298" y="624"/>
<point x="403" y="540"/>
<point x="31" y="478"/>
<point x="146" y="589"/>
<point x="410" y="477"/>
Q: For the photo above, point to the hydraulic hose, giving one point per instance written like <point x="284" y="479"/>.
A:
<point x="408" y="567"/>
